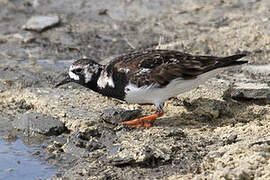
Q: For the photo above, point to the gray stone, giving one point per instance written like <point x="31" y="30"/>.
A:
<point x="31" y="123"/>
<point x="258" y="69"/>
<point x="3" y="39"/>
<point x="25" y="38"/>
<point x="114" y="116"/>
<point x="231" y="139"/>
<point x="206" y="109"/>
<point x="39" y="23"/>
<point x="70" y="147"/>
<point x="144" y="155"/>
<point x="256" y="91"/>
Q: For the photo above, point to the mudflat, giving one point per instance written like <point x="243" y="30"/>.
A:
<point x="218" y="130"/>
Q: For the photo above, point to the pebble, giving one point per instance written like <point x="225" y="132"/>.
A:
<point x="102" y="11"/>
<point x="25" y="38"/>
<point x="31" y="123"/>
<point x="231" y="139"/>
<point x="40" y="23"/>
<point x="3" y="39"/>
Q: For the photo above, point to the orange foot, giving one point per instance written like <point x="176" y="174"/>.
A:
<point x="146" y="121"/>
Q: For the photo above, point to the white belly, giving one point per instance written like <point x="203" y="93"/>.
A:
<point x="154" y="95"/>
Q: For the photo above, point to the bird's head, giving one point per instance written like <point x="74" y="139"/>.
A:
<point x="82" y="71"/>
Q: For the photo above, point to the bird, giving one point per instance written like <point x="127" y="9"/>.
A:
<point x="149" y="76"/>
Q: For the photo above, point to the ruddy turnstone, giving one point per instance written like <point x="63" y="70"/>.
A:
<point x="148" y="77"/>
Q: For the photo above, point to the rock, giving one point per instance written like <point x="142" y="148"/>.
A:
<point x="31" y="123"/>
<point x="231" y="139"/>
<point x="258" y="69"/>
<point x="139" y="151"/>
<point x="141" y="156"/>
<point x="114" y="116"/>
<point x="3" y="39"/>
<point x="40" y="23"/>
<point x="36" y="3"/>
<point x="25" y="38"/>
<point x="55" y="148"/>
<point x="206" y="109"/>
<point x="74" y="149"/>
<point x="89" y="131"/>
<point x="22" y="104"/>
<point x="247" y="1"/>
<point x="102" y="11"/>
<point x="10" y="136"/>
<point x="246" y="91"/>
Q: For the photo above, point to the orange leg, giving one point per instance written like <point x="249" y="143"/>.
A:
<point x="146" y="121"/>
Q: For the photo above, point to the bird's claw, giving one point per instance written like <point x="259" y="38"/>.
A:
<point x="140" y="123"/>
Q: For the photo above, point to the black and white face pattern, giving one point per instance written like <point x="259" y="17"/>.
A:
<point x="83" y="70"/>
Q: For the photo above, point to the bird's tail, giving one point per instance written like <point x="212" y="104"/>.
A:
<point x="230" y="60"/>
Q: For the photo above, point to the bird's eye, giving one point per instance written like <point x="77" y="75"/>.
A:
<point x="77" y="71"/>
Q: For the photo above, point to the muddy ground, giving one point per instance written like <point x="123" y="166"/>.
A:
<point x="205" y="134"/>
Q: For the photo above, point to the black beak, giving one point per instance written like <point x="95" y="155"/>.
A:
<point x="65" y="81"/>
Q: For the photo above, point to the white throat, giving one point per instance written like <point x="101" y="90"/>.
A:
<point x="88" y="76"/>
<point x="73" y="75"/>
<point x="105" y="80"/>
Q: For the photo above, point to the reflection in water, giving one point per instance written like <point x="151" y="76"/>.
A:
<point x="17" y="162"/>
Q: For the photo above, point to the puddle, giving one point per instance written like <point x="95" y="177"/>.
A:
<point x="17" y="162"/>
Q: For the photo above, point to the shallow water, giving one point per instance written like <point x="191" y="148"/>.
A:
<point x="17" y="162"/>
